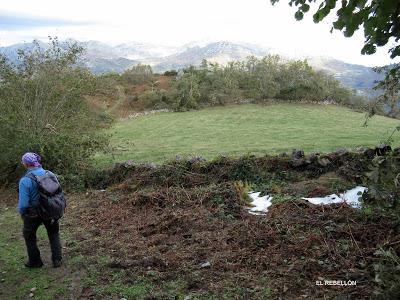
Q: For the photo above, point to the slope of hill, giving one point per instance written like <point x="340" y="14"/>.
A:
<point x="353" y="76"/>
<point x="104" y="65"/>
<point x="238" y="130"/>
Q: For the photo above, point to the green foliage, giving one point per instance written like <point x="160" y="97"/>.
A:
<point x="381" y="22"/>
<point x="106" y="84"/>
<point x="170" y="73"/>
<point x="44" y="110"/>
<point x="384" y="182"/>
<point x="390" y="86"/>
<point x="255" y="79"/>
<point x="139" y="74"/>
<point x="380" y="19"/>
<point x="242" y="190"/>
<point x="387" y="270"/>
<point x="186" y="90"/>
<point x="154" y="99"/>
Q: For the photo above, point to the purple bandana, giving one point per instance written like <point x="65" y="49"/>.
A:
<point x="31" y="159"/>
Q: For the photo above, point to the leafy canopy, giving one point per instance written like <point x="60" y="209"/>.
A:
<point x="43" y="109"/>
<point x="380" y="19"/>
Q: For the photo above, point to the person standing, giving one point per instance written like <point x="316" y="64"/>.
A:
<point x="27" y="204"/>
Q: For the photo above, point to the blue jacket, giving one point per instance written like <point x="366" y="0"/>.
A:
<point x="28" y="190"/>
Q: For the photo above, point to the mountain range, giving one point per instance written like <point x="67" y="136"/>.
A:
<point x="101" y="58"/>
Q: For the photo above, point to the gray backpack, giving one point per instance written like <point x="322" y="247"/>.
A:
<point x="52" y="201"/>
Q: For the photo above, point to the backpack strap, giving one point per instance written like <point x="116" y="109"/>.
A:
<point x="32" y="177"/>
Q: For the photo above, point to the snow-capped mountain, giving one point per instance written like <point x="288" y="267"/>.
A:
<point x="101" y="58"/>
<point x="135" y="50"/>
<point x="220" y="52"/>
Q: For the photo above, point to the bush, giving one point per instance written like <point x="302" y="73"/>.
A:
<point x="44" y="110"/>
<point x="139" y="74"/>
<point x="171" y="73"/>
<point x="154" y="99"/>
<point x="258" y="80"/>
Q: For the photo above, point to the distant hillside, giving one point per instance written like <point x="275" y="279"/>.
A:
<point x="135" y="50"/>
<point x="221" y="52"/>
<point x="102" y="58"/>
<point x="351" y="75"/>
<point x="104" y="65"/>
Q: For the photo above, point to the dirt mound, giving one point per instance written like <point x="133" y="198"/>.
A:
<point x="196" y="171"/>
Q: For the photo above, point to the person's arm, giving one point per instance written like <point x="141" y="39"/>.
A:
<point x="24" y="188"/>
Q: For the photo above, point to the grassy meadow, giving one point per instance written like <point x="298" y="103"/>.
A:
<point x="244" y="129"/>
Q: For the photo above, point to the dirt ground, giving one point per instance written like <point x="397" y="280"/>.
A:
<point x="198" y="232"/>
<point x="213" y="248"/>
<point x="181" y="231"/>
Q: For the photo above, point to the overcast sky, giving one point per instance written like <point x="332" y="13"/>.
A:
<point x="177" y="22"/>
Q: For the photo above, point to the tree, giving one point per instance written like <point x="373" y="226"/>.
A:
<point x="139" y="74"/>
<point x="43" y="109"/>
<point x="380" y="19"/>
<point x="381" y="22"/>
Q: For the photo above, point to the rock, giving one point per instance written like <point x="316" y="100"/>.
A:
<point x="367" y="152"/>
<point x="187" y="297"/>
<point x="313" y="157"/>
<point x="207" y="264"/>
<point x="341" y="152"/>
<point x="323" y="161"/>
<point x="396" y="151"/>
<point x="297" y="153"/>
<point x="128" y="163"/>
<point x="33" y="289"/>
<point x="31" y="295"/>
<point x="150" y="165"/>
<point x="195" y="159"/>
<point x="382" y="149"/>
<point x="123" y="299"/>
<point x="300" y="163"/>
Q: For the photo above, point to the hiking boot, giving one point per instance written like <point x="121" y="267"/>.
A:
<point x="57" y="263"/>
<point x="28" y="264"/>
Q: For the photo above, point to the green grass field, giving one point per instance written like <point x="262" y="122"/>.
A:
<point x="244" y="129"/>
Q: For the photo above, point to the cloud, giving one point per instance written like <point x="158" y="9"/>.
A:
<point x="13" y="22"/>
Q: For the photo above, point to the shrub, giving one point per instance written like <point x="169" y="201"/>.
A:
<point x="139" y="74"/>
<point x="44" y="110"/>
<point x="257" y="79"/>
<point x="171" y="73"/>
<point x="154" y="99"/>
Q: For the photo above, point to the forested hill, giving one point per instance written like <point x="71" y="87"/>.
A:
<point x="103" y="58"/>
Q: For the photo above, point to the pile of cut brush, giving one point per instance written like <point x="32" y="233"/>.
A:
<point x="185" y="221"/>
<point x="197" y="171"/>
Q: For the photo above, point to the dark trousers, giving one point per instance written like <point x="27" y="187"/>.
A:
<point x="31" y="224"/>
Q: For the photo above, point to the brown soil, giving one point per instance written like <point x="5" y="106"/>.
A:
<point x="172" y="232"/>
<point x="164" y="223"/>
<point x="185" y="222"/>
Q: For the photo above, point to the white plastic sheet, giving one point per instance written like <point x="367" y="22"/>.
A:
<point x="259" y="204"/>
<point x="351" y="197"/>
